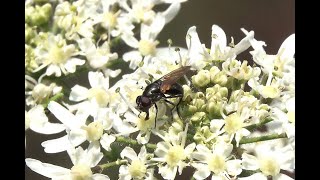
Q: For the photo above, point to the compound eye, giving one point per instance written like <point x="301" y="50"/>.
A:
<point x="145" y="101"/>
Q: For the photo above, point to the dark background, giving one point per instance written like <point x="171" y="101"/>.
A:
<point x="271" y="20"/>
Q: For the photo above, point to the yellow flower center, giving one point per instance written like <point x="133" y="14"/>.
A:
<point x="233" y="123"/>
<point x="145" y="125"/>
<point x="269" y="166"/>
<point x="270" y="92"/>
<point x="147" y="48"/>
<point x="56" y="55"/>
<point x="100" y="95"/>
<point x="81" y="172"/>
<point x="137" y="169"/>
<point x="174" y="155"/>
<point x="217" y="164"/>
<point x="94" y="130"/>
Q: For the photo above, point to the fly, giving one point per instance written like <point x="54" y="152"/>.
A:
<point x="164" y="88"/>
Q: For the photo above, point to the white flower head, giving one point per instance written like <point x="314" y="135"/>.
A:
<point x="57" y="56"/>
<point x="172" y="153"/>
<point x="82" y="160"/>
<point x="216" y="161"/>
<point x="269" y="161"/>
<point x="137" y="167"/>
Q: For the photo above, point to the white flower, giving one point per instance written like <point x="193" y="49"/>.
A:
<point x="172" y="153"/>
<point x="57" y="56"/>
<point x="98" y="56"/>
<point x="99" y="95"/>
<point x="149" y="31"/>
<point x="269" y="161"/>
<point x="137" y="167"/>
<point x="75" y="18"/>
<point x="217" y="161"/>
<point x="37" y="121"/>
<point x="234" y="125"/>
<point x="39" y="93"/>
<point x="77" y="130"/>
<point x="82" y="160"/>
<point x="279" y="64"/>
<point x="199" y="55"/>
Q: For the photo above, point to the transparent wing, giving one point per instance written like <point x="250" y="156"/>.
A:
<point x="172" y="77"/>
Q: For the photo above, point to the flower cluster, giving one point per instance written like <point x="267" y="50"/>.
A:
<point x="235" y="120"/>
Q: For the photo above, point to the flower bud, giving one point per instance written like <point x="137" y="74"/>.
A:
<point x="201" y="79"/>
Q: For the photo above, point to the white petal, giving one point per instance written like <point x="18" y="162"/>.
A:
<point x="129" y="153"/>
<point x="130" y="40"/>
<point x="167" y="172"/>
<point x="62" y="114"/>
<point x="219" y="39"/>
<point x="255" y="176"/>
<point x="72" y="63"/>
<point x="282" y="177"/>
<point x="94" y="155"/>
<point x="56" y="145"/>
<point x="143" y="152"/>
<point x="45" y="169"/>
<point x="106" y="140"/>
<point x="195" y="48"/>
<point x="244" y="44"/>
<point x="47" y="128"/>
<point x="234" y="167"/>
<point x="78" y="93"/>
<point x="162" y="148"/>
<point x="171" y="12"/>
<point x="249" y="162"/>
<point x="189" y="149"/>
<point x="77" y="137"/>
<point x="96" y="79"/>
<point x="223" y="148"/>
<point x="53" y="69"/>
<point x="76" y="154"/>
<point x="202" y="172"/>
<point x="287" y="48"/>
<point x="218" y="177"/>
<point x="100" y="177"/>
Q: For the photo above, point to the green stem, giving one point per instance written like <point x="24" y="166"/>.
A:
<point x="53" y="98"/>
<point x="114" y="163"/>
<point x="258" y="125"/>
<point x="262" y="138"/>
<point x="128" y="140"/>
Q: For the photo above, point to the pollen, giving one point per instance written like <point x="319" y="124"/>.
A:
<point x="100" y="95"/>
<point x="137" y="169"/>
<point x="269" y="166"/>
<point x="147" y="48"/>
<point x="56" y="55"/>
<point x="81" y="172"/>
<point x="94" y="131"/>
<point x="174" y="155"/>
<point x="270" y="92"/>
<point x="217" y="164"/>
<point x="233" y="123"/>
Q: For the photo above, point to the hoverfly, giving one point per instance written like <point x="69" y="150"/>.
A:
<point x="163" y="88"/>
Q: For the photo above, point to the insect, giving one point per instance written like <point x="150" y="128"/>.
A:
<point x="163" y="88"/>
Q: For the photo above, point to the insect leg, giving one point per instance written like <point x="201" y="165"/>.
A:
<point x="155" y="120"/>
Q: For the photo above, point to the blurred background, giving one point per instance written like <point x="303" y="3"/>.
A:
<point x="271" y="20"/>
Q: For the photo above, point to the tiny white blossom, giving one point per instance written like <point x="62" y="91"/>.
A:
<point x="57" y="56"/>
<point x="172" y="153"/>
<point x="137" y="167"/>
<point x="82" y="160"/>
<point x="216" y="161"/>
<point x="269" y="161"/>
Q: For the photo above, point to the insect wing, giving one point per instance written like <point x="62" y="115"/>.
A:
<point x="172" y="77"/>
